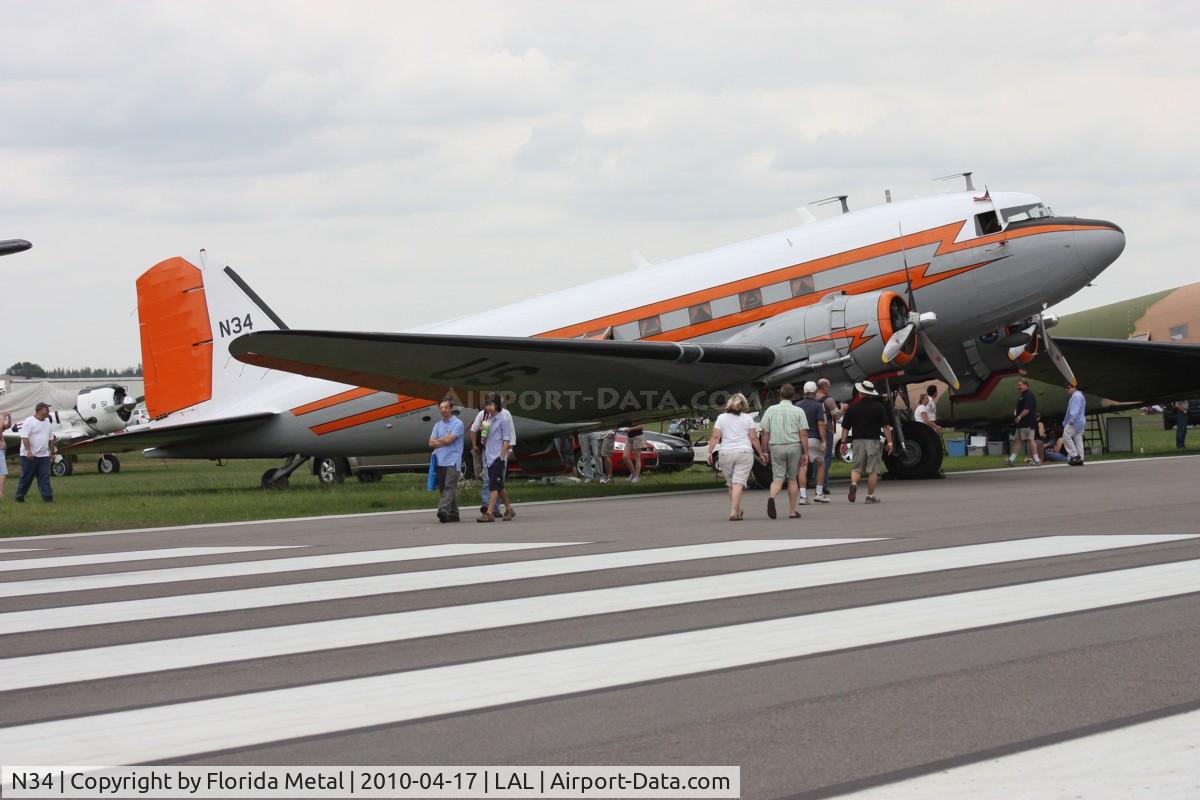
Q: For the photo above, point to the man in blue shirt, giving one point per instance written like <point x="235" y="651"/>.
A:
<point x="447" y="443"/>
<point x="497" y="436"/>
<point x="1073" y="424"/>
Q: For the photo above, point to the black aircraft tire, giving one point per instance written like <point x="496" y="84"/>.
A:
<point x="922" y="457"/>
<point x="760" y="475"/>
<point x="269" y="481"/>
<point x="108" y="464"/>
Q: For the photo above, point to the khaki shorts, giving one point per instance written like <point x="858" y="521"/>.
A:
<point x="868" y="456"/>
<point x="735" y="466"/>
<point x="785" y="461"/>
<point x="635" y="444"/>
<point x="1026" y="434"/>
<point x="816" y="451"/>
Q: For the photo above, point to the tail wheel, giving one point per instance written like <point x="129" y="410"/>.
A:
<point x="269" y="481"/>
<point x="108" y="464"/>
<point x="921" y="456"/>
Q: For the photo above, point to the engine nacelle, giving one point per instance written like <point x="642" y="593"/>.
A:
<point x="104" y="409"/>
<point x="843" y="330"/>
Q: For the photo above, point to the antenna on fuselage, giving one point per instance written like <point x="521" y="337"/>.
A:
<point x="827" y="200"/>
<point x="966" y="175"/>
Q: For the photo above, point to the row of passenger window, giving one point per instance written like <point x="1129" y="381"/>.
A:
<point x="704" y="312"/>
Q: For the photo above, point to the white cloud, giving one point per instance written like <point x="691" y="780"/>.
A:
<point x="352" y="158"/>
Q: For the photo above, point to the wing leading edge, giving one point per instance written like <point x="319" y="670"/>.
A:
<point x="556" y="380"/>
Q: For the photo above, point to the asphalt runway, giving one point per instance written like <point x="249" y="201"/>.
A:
<point x="986" y="631"/>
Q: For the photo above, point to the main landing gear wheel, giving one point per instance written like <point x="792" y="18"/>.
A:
<point x="61" y="467"/>
<point x="921" y="456"/>
<point x="108" y="464"/>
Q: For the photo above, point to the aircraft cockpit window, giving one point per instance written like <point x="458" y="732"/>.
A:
<point x="1030" y="211"/>
<point x="986" y="223"/>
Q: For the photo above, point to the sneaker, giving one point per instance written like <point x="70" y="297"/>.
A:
<point x="508" y="514"/>
<point x="853" y="492"/>
<point x="441" y="515"/>
<point x="820" y="499"/>
<point x="19" y="499"/>
<point x="636" y="480"/>
<point x="605" y="481"/>
<point x="871" y="499"/>
<point x="771" y="508"/>
<point x="486" y="517"/>
<point x="454" y="518"/>
<point x="803" y="501"/>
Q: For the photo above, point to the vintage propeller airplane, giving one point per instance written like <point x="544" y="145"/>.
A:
<point x="98" y="411"/>
<point x="897" y="293"/>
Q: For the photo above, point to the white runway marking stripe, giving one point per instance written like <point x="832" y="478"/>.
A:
<point x="267" y="567"/>
<point x="132" y="555"/>
<point x="181" y="729"/>
<point x="20" y="549"/>
<point x="1159" y="759"/>
<point x="129" y="659"/>
<point x="238" y="599"/>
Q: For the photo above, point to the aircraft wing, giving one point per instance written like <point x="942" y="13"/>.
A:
<point x="556" y="380"/>
<point x="161" y="435"/>
<point x="1127" y="370"/>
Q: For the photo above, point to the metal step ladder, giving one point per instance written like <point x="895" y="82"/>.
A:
<point x="1094" y="435"/>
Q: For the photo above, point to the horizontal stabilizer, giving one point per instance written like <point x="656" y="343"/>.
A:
<point x="554" y="379"/>
<point x="155" y="435"/>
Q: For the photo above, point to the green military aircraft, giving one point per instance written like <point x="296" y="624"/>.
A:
<point x="1125" y="355"/>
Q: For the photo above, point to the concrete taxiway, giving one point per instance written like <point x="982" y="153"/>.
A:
<point x="964" y="632"/>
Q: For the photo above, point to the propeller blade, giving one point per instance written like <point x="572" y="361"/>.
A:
<point x="896" y="343"/>
<point x="939" y="361"/>
<point x="1015" y="352"/>
<point x="1056" y="355"/>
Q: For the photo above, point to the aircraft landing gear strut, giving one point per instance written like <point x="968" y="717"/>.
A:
<point x="278" y="478"/>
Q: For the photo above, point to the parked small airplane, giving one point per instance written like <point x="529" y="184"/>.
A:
<point x="98" y="411"/>
<point x="896" y="293"/>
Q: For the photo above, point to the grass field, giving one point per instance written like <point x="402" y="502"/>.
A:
<point x="153" y="492"/>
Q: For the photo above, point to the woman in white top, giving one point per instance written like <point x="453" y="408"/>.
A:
<point x="737" y="436"/>
<point x="926" y="410"/>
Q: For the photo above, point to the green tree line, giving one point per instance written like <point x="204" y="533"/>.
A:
<point x="27" y="369"/>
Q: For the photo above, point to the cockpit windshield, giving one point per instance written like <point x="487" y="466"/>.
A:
<point x="1030" y="211"/>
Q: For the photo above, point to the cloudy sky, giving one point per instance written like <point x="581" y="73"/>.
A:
<point x="378" y="166"/>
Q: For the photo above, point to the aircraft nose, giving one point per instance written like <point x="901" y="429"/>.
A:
<point x="1099" y="245"/>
